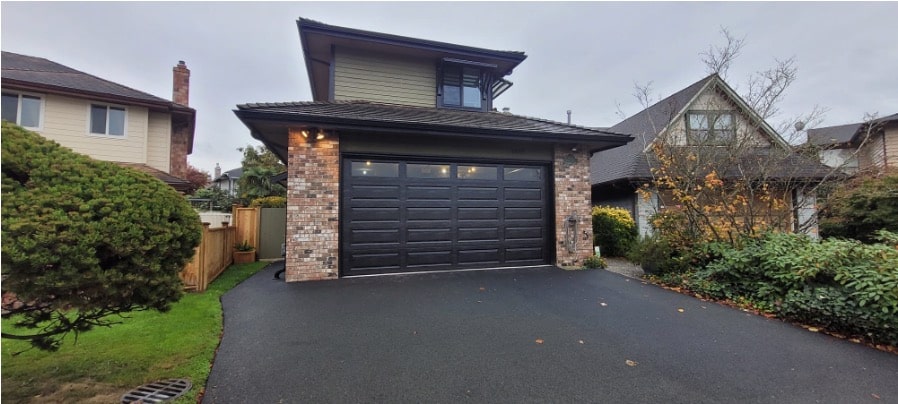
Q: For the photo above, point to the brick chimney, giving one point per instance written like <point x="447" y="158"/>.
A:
<point x="181" y="84"/>
<point x="217" y="171"/>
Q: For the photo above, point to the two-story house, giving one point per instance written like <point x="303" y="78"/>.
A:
<point x="709" y="121"/>
<point x="864" y="147"/>
<point x="401" y="164"/>
<point x="226" y="181"/>
<point x="100" y="118"/>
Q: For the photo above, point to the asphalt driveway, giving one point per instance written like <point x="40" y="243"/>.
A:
<point x="530" y="335"/>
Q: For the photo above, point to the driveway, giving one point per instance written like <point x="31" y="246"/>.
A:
<point x="528" y="335"/>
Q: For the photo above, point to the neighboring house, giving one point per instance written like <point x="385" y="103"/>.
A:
<point x="400" y="163"/>
<point x="867" y="147"/>
<point x="708" y="110"/>
<point x="227" y="181"/>
<point x="102" y="119"/>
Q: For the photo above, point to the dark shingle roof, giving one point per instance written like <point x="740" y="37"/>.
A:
<point x="46" y="73"/>
<point x="408" y="117"/>
<point x="177" y="183"/>
<point x="232" y="174"/>
<point x="831" y="135"/>
<point x="629" y="161"/>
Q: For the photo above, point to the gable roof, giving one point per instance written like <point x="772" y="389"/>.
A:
<point x="179" y="184"/>
<point x="387" y="118"/>
<point x="630" y="162"/>
<point x="843" y="134"/>
<point x="231" y="174"/>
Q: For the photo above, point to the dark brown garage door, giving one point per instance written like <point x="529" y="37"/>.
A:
<point x="408" y="216"/>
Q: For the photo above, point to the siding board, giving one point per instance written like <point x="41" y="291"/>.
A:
<point x="397" y="80"/>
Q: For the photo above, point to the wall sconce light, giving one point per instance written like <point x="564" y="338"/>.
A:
<point x="312" y="139"/>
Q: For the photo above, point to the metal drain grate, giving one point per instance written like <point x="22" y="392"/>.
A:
<point x="157" y="392"/>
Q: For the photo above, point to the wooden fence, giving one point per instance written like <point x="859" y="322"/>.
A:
<point x="216" y="249"/>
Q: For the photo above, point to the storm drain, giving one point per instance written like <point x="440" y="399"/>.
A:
<point x="157" y="392"/>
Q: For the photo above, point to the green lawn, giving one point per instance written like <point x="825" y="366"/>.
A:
<point x="105" y="363"/>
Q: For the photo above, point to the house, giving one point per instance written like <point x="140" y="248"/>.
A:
<point x="226" y="181"/>
<point x="401" y="164"/>
<point x="100" y="118"/>
<point x="867" y="147"/>
<point x="707" y="119"/>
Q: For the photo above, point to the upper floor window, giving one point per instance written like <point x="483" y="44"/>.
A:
<point x="107" y="120"/>
<point x="710" y="127"/>
<point x="462" y="86"/>
<point x="22" y="109"/>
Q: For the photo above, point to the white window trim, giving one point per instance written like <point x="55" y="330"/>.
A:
<point x="106" y="135"/>
<point x="40" y="113"/>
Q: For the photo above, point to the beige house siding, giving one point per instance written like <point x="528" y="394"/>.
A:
<point x="66" y="121"/>
<point x="870" y="156"/>
<point x="711" y="100"/>
<point x="159" y="141"/>
<point x="397" y="80"/>
<point x="891" y="139"/>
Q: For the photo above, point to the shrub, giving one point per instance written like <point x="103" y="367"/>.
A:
<point x="860" y="208"/>
<point x="842" y="285"/>
<point x="85" y="239"/>
<point x="614" y="230"/>
<point x="656" y="256"/>
<point x="269" y="202"/>
<point x="594" y="262"/>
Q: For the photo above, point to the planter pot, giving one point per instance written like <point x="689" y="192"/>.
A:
<point x="244" y="257"/>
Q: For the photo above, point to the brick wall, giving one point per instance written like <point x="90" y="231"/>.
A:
<point x="572" y="197"/>
<point x="180" y="138"/>
<point x="313" y="199"/>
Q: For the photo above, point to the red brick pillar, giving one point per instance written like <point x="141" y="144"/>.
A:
<point x="572" y="199"/>
<point x="313" y="207"/>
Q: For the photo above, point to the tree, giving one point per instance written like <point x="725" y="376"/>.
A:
<point x="198" y="178"/>
<point x="85" y="241"/>
<point x="861" y="207"/>
<point x="259" y="165"/>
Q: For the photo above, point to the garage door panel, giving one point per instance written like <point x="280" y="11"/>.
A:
<point x="433" y="216"/>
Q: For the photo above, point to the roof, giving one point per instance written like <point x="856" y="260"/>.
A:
<point x="631" y="162"/>
<point x="843" y="134"/>
<point x="179" y="184"/>
<point x="40" y="71"/>
<point x="232" y="174"/>
<point x="378" y="117"/>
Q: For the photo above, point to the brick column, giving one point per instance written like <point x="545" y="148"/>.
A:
<point x="180" y="139"/>
<point x="313" y="207"/>
<point x="572" y="197"/>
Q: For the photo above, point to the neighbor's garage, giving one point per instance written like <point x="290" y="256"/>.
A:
<point x="405" y="215"/>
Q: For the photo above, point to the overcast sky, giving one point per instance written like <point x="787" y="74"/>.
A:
<point x="581" y="56"/>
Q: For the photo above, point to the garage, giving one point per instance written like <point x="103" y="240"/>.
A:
<point x="409" y="215"/>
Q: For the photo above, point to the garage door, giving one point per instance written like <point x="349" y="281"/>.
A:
<point x="409" y="216"/>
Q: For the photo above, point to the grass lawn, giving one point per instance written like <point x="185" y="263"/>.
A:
<point x="105" y="363"/>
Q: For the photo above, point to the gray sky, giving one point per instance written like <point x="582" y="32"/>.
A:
<point x="581" y="56"/>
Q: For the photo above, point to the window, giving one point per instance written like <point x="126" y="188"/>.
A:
<point x="22" y="109"/>
<point x="462" y="86"/>
<point x="107" y="120"/>
<point x="522" y="174"/>
<point x="710" y="127"/>
<point x="427" y="170"/>
<point x="477" y="173"/>
<point x="371" y="169"/>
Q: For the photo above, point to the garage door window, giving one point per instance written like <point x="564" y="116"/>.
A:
<point x="372" y="169"/>
<point x="523" y="174"/>
<point x="477" y="173"/>
<point x="427" y="170"/>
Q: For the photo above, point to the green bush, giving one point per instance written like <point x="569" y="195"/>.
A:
<point x="594" y="262"/>
<point x="860" y="208"/>
<point x="656" y="256"/>
<point x="842" y="285"/>
<point x="269" y="202"/>
<point x="613" y="230"/>
<point x="84" y="239"/>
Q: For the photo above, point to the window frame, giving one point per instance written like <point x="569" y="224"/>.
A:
<point x="485" y="84"/>
<point x="108" y="106"/>
<point x="40" y="111"/>
<point x="711" y="135"/>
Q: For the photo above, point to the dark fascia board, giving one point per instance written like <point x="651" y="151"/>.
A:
<point x="311" y="26"/>
<point x="330" y="123"/>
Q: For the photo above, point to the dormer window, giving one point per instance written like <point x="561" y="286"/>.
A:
<point x="710" y="127"/>
<point x="464" y="84"/>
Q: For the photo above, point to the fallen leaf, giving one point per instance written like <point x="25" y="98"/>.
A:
<point x="580" y="341"/>
<point x="603" y="304"/>
<point x="539" y="341"/>
<point x="681" y="310"/>
<point x="876" y="396"/>
<point x="482" y="288"/>
<point x="414" y="333"/>
<point x="631" y="363"/>
<point x="813" y="329"/>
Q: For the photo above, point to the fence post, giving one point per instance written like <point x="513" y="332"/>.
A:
<point x="201" y="260"/>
